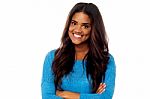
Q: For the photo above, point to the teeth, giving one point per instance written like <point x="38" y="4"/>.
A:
<point x="77" y="35"/>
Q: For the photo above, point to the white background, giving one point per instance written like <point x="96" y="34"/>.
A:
<point x="31" y="28"/>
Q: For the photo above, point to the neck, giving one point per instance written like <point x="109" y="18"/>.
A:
<point x="81" y="51"/>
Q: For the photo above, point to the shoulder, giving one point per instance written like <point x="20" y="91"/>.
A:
<point x="111" y="57"/>
<point x="50" y="55"/>
<point x="111" y="62"/>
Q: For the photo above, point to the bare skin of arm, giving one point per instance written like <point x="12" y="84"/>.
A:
<point x="73" y="95"/>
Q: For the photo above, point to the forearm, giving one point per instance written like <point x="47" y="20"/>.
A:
<point x="68" y="94"/>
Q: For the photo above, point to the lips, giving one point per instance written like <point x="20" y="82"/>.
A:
<point x="77" y="36"/>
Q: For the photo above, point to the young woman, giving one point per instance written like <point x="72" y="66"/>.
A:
<point x="81" y="68"/>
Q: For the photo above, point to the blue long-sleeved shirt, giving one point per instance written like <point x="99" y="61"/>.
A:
<point x="76" y="81"/>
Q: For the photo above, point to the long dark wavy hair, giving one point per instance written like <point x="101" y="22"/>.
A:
<point x="97" y="56"/>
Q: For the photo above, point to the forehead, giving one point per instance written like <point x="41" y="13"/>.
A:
<point x="81" y="17"/>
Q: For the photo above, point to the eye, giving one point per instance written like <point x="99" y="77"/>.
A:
<point x="86" y="26"/>
<point x="73" y="23"/>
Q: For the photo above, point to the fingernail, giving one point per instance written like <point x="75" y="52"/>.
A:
<point x="103" y="90"/>
<point x="104" y="85"/>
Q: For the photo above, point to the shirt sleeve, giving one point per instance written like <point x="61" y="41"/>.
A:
<point x="47" y="84"/>
<point x="110" y="75"/>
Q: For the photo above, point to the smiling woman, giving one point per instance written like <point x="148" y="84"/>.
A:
<point x="82" y="67"/>
<point x="80" y="28"/>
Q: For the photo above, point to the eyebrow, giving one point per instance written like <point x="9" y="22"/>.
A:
<point x="82" y="23"/>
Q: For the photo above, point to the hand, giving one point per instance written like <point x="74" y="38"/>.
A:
<point x="101" y="88"/>
<point x="68" y="94"/>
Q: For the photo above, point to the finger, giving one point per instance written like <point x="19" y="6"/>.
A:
<point x="101" y="91"/>
<point x="59" y="93"/>
<point x="101" y="88"/>
<point x="102" y="84"/>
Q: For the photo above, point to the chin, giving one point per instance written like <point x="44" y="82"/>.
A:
<point x="79" y="43"/>
<point x="76" y="43"/>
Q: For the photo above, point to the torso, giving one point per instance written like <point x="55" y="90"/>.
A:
<point x="77" y="81"/>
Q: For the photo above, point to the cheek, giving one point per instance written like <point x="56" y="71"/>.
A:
<point x="70" y="29"/>
<point x="87" y="37"/>
<point x="87" y="33"/>
<point x="70" y="32"/>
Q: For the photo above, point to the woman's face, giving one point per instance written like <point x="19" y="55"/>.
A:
<point x="80" y="28"/>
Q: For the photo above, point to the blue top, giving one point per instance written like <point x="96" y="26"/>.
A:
<point x="76" y="81"/>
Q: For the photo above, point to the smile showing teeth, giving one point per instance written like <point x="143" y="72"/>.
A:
<point x="77" y="35"/>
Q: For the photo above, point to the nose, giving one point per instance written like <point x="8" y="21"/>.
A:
<point x="78" y="29"/>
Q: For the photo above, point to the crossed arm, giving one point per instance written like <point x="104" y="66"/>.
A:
<point x="73" y="95"/>
<point x="103" y="92"/>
